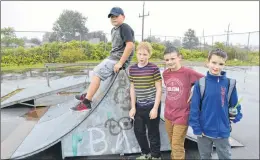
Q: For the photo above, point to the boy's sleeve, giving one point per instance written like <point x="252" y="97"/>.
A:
<point x="130" y="75"/>
<point x="163" y="76"/>
<point x="194" y="118"/>
<point x="233" y="102"/>
<point x="194" y="76"/>
<point x="127" y="33"/>
<point x="157" y="75"/>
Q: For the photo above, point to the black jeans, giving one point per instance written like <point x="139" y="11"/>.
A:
<point x="142" y="120"/>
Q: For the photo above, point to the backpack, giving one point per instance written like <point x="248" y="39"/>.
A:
<point x="202" y="84"/>
<point x="231" y="85"/>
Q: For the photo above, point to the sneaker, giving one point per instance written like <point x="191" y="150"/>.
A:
<point x="81" y="107"/>
<point x="80" y="97"/>
<point x="144" y="156"/>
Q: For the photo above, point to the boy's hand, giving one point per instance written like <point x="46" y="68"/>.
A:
<point x="117" y="66"/>
<point x="188" y="101"/>
<point x="237" y="118"/>
<point x="153" y="113"/>
<point x="191" y="93"/>
<point x="132" y="113"/>
<point x="202" y="135"/>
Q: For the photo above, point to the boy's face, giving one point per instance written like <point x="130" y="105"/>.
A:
<point x="142" y="57"/>
<point x="172" y="61"/>
<point x="216" y="64"/>
<point x="117" y="20"/>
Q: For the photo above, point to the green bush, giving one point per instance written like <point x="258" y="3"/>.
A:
<point x="158" y="50"/>
<point x="79" y="51"/>
<point x="71" y="55"/>
<point x="192" y="54"/>
<point x="233" y="52"/>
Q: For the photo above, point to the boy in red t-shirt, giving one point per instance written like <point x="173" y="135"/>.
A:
<point x="178" y="81"/>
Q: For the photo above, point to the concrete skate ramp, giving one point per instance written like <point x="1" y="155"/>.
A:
<point x="58" y="121"/>
<point x="105" y="130"/>
<point x="42" y="89"/>
<point x="108" y="129"/>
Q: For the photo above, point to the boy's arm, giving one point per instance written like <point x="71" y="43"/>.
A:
<point x="194" y="118"/>
<point x="158" y="86"/>
<point x="128" y="49"/>
<point x="132" y="88"/>
<point x="128" y="38"/>
<point x="233" y="102"/>
<point x="194" y="76"/>
<point x="132" y="95"/>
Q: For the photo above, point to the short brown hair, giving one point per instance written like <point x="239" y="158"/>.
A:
<point x="172" y="49"/>
<point x="218" y="52"/>
<point x="146" y="46"/>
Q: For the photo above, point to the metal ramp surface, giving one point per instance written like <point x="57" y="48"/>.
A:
<point x="42" y="89"/>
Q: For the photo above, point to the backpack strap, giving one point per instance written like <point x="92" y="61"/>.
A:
<point x="202" y="84"/>
<point x="231" y="86"/>
<point x="120" y="31"/>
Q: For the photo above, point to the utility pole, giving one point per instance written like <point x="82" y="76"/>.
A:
<point x="203" y="39"/>
<point x="143" y="21"/>
<point x="228" y="31"/>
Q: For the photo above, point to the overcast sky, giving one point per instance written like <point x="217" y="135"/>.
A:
<point x="168" y="18"/>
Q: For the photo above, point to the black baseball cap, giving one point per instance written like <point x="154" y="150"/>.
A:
<point x="116" y="11"/>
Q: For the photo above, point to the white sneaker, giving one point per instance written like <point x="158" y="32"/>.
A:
<point x="144" y="156"/>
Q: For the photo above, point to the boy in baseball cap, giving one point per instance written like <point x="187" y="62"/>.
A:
<point x="120" y="56"/>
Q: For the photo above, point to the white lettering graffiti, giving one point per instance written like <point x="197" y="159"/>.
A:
<point x="101" y="144"/>
<point x="120" y="139"/>
<point x="96" y="141"/>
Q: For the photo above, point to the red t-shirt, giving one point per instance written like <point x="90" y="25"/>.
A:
<point x="178" y="85"/>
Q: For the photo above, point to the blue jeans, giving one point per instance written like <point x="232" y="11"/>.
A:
<point x="205" y="145"/>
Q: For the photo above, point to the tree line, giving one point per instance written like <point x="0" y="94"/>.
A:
<point x="73" y="51"/>
<point x="71" y="25"/>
